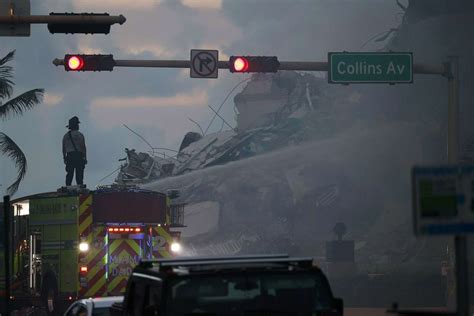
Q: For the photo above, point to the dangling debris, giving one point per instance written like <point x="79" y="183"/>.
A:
<point x="143" y="168"/>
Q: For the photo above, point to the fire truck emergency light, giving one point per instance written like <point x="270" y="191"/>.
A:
<point x="124" y="230"/>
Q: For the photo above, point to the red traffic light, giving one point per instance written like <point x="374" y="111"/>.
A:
<point x="240" y="64"/>
<point x="253" y="64"/>
<point x="74" y="62"/>
<point x="87" y="62"/>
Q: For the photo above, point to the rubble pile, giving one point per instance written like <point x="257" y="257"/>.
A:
<point x="143" y="167"/>
<point x="273" y="111"/>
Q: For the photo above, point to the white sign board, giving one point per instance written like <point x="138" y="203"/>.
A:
<point x="443" y="200"/>
<point x="15" y="7"/>
<point x="204" y="63"/>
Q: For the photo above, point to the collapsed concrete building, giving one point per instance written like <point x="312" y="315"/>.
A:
<point x="272" y="111"/>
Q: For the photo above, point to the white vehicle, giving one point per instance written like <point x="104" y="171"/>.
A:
<point x="93" y="306"/>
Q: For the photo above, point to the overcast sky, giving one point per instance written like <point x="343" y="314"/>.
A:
<point x="158" y="102"/>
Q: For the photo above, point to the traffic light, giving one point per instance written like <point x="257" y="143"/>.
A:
<point x="83" y="62"/>
<point x="253" y="64"/>
<point x="96" y="27"/>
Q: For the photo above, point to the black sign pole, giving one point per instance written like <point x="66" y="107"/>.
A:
<point x="6" y="249"/>
<point x="460" y="241"/>
<point x="462" y="281"/>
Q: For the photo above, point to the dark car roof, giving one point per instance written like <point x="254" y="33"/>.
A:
<point x="204" y="265"/>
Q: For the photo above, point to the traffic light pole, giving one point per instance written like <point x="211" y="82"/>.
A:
<point x="460" y="241"/>
<point x="45" y="19"/>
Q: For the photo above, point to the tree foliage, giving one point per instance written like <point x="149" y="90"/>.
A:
<point x="15" y="106"/>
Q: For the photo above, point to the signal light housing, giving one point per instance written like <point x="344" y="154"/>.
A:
<point x="84" y="62"/>
<point x="83" y="28"/>
<point x="253" y="64"/>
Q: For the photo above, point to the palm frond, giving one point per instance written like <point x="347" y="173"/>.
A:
<point x="18" y="105"/>
<point x="12" y="151"/>
<point x="6" y="85"/>
<point x="7" y="58"/>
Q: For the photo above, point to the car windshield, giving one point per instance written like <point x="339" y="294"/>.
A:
<point x="248" y="294"/>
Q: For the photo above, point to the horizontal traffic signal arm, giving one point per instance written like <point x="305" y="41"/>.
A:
<point x="224" y="64"/>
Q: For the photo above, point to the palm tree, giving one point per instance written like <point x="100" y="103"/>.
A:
<point x="11" y="108"/>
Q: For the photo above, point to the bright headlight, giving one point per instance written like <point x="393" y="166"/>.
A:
<point x="176" y="247"/>
<point x="83" y="247"/>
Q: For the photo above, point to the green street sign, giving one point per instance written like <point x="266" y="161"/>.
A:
<point x="390" y="67"/>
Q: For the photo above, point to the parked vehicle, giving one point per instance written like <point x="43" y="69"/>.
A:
<point x="245" y="285"/>
<point x="93" y="306"/>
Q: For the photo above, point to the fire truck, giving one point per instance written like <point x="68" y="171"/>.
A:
<point x="77" y="243"/>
